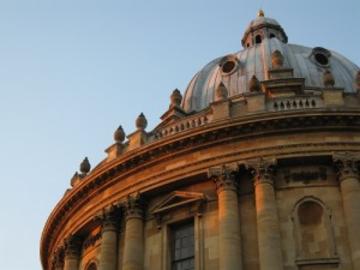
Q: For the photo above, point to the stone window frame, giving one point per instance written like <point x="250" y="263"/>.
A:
<point x="229" y="58"/>
<point x="194" y="202"/>
<point x="320" y="51"/>
<point x="301" y="260"/>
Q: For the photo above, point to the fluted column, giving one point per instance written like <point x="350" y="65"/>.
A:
<point x="268" y="228"/>
<point x="133" y="258"/>
<point x="72" y="253"/>
<point x="348" y="176"/>
<point x="108" y="249"/>
<point x="230" y="257"/>
<point x="58" y="260"/>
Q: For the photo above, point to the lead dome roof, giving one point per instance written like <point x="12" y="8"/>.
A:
<point x="255" y="59"/>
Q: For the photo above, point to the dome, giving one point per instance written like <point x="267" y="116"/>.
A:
<point x="262" y="37"/>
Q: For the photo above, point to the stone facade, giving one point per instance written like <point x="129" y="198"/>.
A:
<point x="265" y="180"/>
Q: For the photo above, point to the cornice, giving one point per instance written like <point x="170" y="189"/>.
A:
<point x="210" y="134"/>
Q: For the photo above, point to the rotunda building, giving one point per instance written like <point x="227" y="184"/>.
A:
<point x="254" y="167"/>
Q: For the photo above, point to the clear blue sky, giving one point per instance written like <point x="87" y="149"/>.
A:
<point x="71" y="71"/>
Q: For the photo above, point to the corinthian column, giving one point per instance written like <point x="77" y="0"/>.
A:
<point x="133" y="258"/>
<point x="229" y="219"/>
<point x="58" y="260"/>
<point x="108" y="250"/>
<point x="72" y="253"/>
<point x="268" y="228"/>
<point x="348" y="176"/>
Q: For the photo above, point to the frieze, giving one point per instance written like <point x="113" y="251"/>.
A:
<point x="305" y="176"/>
<point x="335" y="121"/>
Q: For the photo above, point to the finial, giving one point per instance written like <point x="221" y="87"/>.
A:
<point x="328" y="79"/>
<point x="358" y="81"/>
<point x="141" y="122"/>
<point x="277" y="59"/>
<point x="254" y="84"/>
<point x="119" y="135"/>
<point x="261" y="13"/>
<point x="175" y="98"/>
<point x="85" y="166"/>
<point x="221" y="92"/>
<point x="74" y="179"/>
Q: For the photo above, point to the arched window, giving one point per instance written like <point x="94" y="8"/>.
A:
<point x="313" y="233"/>
<point x="313" y="230"/>
<point x="258" y="39"/>
<point x="92" y="266"/>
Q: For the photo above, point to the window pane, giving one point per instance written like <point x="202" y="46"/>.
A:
<point x="183" y="247"/>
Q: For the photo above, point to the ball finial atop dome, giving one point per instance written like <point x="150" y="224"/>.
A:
<point x="261" y="13"/>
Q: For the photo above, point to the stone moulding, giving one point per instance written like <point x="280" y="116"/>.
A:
<point x="210" y="134"/>
<point x="178" y="199"/>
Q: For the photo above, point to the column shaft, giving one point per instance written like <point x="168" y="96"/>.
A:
<point x="71" y="263"/>
<point x="108" y="251"/>
<point x="350" y="193"/>
<point x="270" y="257"/>
<point x="229" y="231"/>
<point x="133" y="257"/>
<point x="230" y="257"/>
<point x="268" y="228"/>
<point x="133" y="252"/>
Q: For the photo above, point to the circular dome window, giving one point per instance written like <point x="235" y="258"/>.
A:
<point x="321" y="56"/>
<point x="228" y="64"/>
<point x="322" y="59"/>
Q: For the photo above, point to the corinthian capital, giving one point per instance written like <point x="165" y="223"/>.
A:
<point x="262" y="170"/>
<point x="73" y="246"/>
<point x="224" y="177"/>
<point x="134" y="206"/>
<point x="346" y="164"/>
<point x="109" y="219"/>
<point x="58" y="259"/>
